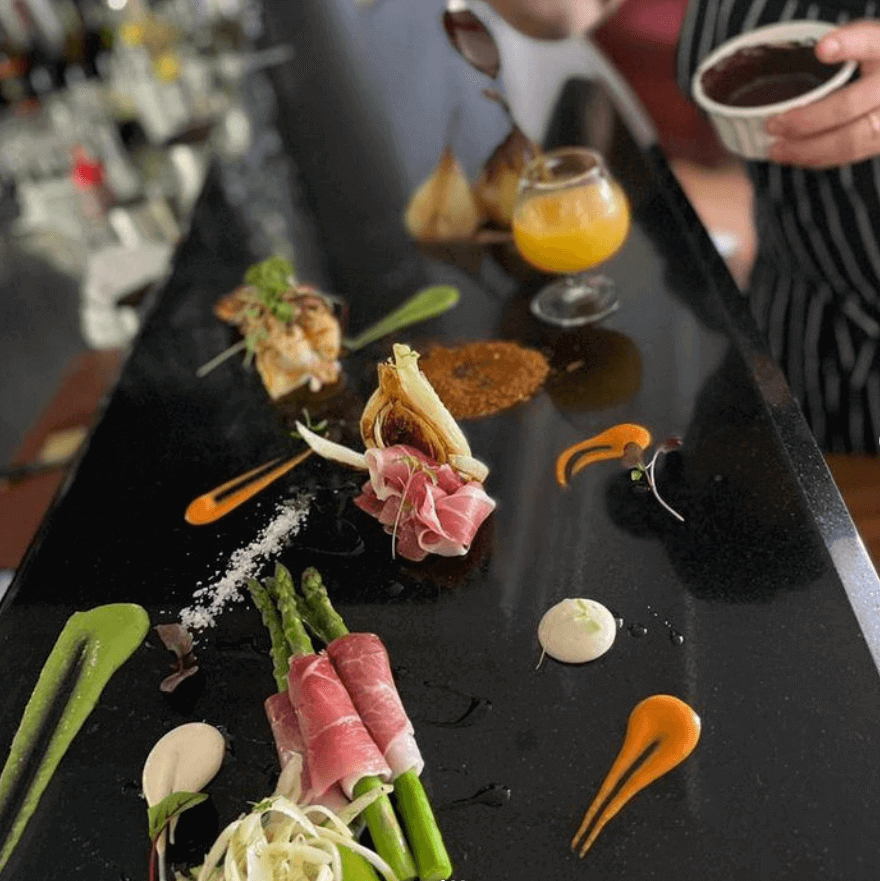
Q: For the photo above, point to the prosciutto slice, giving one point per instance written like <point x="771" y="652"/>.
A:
<point x="285" y="729"/>
<point x="338" y="747"/>
<point x="361" y="661"/>
<point x="289" y="745"/>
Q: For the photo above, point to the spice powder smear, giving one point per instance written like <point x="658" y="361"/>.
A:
<point x="484" y="377"/>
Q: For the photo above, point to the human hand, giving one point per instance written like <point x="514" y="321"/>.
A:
<point x="844" y="127"/>
<point x="554" y="19"/>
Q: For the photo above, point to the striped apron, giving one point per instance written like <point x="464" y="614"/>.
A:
<point x="815" y="287"/>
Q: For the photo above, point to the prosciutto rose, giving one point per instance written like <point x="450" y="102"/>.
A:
<point x="425" y="486"/>
<point x="427" y="508"/>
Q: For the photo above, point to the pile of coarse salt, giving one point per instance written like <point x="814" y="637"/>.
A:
<point x="212" y="599"/>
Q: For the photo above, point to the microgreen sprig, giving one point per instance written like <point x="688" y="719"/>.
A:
<point x="268" y="280"/>
<point x="271" y="278"/>
<point x="160" y="817"/>
<point x="633" y="458"/>
<point x="415" y="467"/>
<point x="320" y="427"/>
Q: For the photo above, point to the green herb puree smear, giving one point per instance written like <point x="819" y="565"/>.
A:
<point x="92" y="646"/>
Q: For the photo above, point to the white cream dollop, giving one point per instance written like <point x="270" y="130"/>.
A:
<point x="186" y="759"/>
<point x="576" y="630"/>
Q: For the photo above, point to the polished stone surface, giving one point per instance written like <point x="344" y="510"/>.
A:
<point x="742" y="610"/>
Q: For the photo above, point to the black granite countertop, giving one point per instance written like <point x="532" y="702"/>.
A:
<point x="756" y="610"/>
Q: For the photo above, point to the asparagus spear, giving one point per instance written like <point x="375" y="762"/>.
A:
<point x="425" y="838"/>
<point x="355" y="867"/>
<point x="282" y="591"/>
<point x="317" y="609"/>
<point x="388" y="838"/>
<point x="272" y="622"/>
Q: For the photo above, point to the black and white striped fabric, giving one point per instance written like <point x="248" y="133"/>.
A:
<point x="815" y="288"/>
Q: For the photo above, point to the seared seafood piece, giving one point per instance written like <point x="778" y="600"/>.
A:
<point x="294" y="336"/>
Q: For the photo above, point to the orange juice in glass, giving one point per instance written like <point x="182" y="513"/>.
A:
<point x="570" y="216"/>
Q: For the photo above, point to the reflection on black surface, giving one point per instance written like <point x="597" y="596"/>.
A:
<point x="336" y="531"/>
<point x="339" y="404"/>
<point x="353" y="184"/>
<point x="184" y="698"/>
<point x="495" y="795"/>
<point x="445" y="707"/>
<point x="592" y="370"/>
<point x="465" y="255"/>
<point x="475" y="712"/>
<point x="197" y="829"/>
<point x="745" y="534"/>
<point x="331" y="529"/>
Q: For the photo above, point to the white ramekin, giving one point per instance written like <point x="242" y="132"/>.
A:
<point x="742" y="129"/>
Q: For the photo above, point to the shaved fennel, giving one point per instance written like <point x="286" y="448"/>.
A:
<point x="330" y="449"/>
<point x="282" y="841"/>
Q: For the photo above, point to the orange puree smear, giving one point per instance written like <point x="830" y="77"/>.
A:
<point x="662" y="732"/>
<point x="610" y="444"/>
<point x="220" y="501"/>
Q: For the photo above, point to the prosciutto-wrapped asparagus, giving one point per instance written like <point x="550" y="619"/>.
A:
<point x="364" y="667"/>
<point x="362" y="663"/>
<point x="290" y="745"/>
<point x="338" y="747"/>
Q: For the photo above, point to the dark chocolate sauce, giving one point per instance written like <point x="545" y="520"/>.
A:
<point x="756" y="76"/>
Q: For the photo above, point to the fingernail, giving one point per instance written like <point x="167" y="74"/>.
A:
<point x="830" y="48"/>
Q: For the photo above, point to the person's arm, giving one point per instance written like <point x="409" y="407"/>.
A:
<point x="844" y="127"/>
<point x="554" y="19"/>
